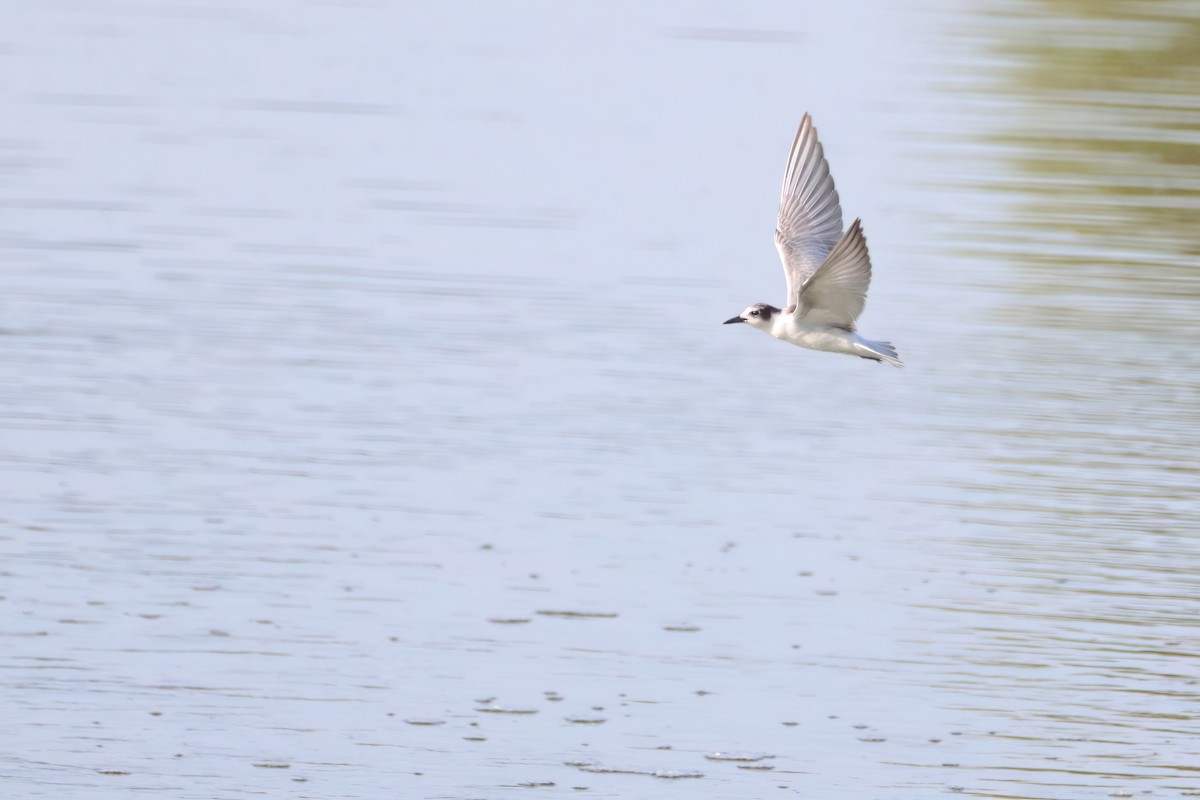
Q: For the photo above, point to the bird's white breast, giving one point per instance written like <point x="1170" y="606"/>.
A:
<point x="795" y="330"/>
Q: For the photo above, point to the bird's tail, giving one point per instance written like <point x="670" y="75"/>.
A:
<point x="878" y="351"/>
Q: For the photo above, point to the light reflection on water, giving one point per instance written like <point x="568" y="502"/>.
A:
<point x="1084" y="531"/>
<point x="349" y="393"/>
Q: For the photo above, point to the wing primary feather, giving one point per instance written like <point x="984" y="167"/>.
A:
<point x="836" y="293"/>
<point x="810" y="214"/>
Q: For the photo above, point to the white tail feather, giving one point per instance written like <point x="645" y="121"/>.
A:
<point x="879" y="351"/>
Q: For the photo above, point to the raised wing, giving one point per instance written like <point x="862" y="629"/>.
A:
<point x="810" y="214"/>
<point x="836" y="293"/>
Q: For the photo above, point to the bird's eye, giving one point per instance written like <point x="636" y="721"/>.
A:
<point x="754" y="313"/>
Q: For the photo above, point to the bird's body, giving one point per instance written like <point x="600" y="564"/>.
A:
<point x="834" y="340"/>
<point x="827" y="271"/>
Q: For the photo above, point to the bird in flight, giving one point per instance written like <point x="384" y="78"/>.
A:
<point x="827" y="271"/>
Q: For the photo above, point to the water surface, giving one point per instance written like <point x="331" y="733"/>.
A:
<point x="371" y="430"/>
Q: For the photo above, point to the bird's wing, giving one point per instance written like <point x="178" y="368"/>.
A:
<point x="810" y="215"/>
<point x="836" y="293"/>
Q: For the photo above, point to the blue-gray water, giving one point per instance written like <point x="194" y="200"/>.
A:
<point x="365" y="381"/>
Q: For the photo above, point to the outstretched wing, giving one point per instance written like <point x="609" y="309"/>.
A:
<point x="836" y="293"/>
<point x="810" y="214"/>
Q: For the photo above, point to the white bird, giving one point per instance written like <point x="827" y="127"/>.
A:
<point x="827" y="271"/>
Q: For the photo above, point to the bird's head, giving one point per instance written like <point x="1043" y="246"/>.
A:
<point x="759" y="315"/>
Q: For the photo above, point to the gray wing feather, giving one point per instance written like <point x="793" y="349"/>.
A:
<point x="810" y="214"/>
<point x="837" y="292"/>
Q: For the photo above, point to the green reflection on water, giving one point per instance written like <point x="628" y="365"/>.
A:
<point x="1100" y="149"/>
<point x="1096" y="149"/>
<point x="1083" y="541"/>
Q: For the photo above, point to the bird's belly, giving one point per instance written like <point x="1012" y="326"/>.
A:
<point x="815" y="337"/>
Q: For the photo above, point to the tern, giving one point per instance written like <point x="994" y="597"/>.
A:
<point x="827" y="271"/>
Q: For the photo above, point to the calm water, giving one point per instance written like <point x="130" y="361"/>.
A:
<point x="370" y="430"/>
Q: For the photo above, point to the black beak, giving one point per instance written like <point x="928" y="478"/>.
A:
<point x="731" y="321"/>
